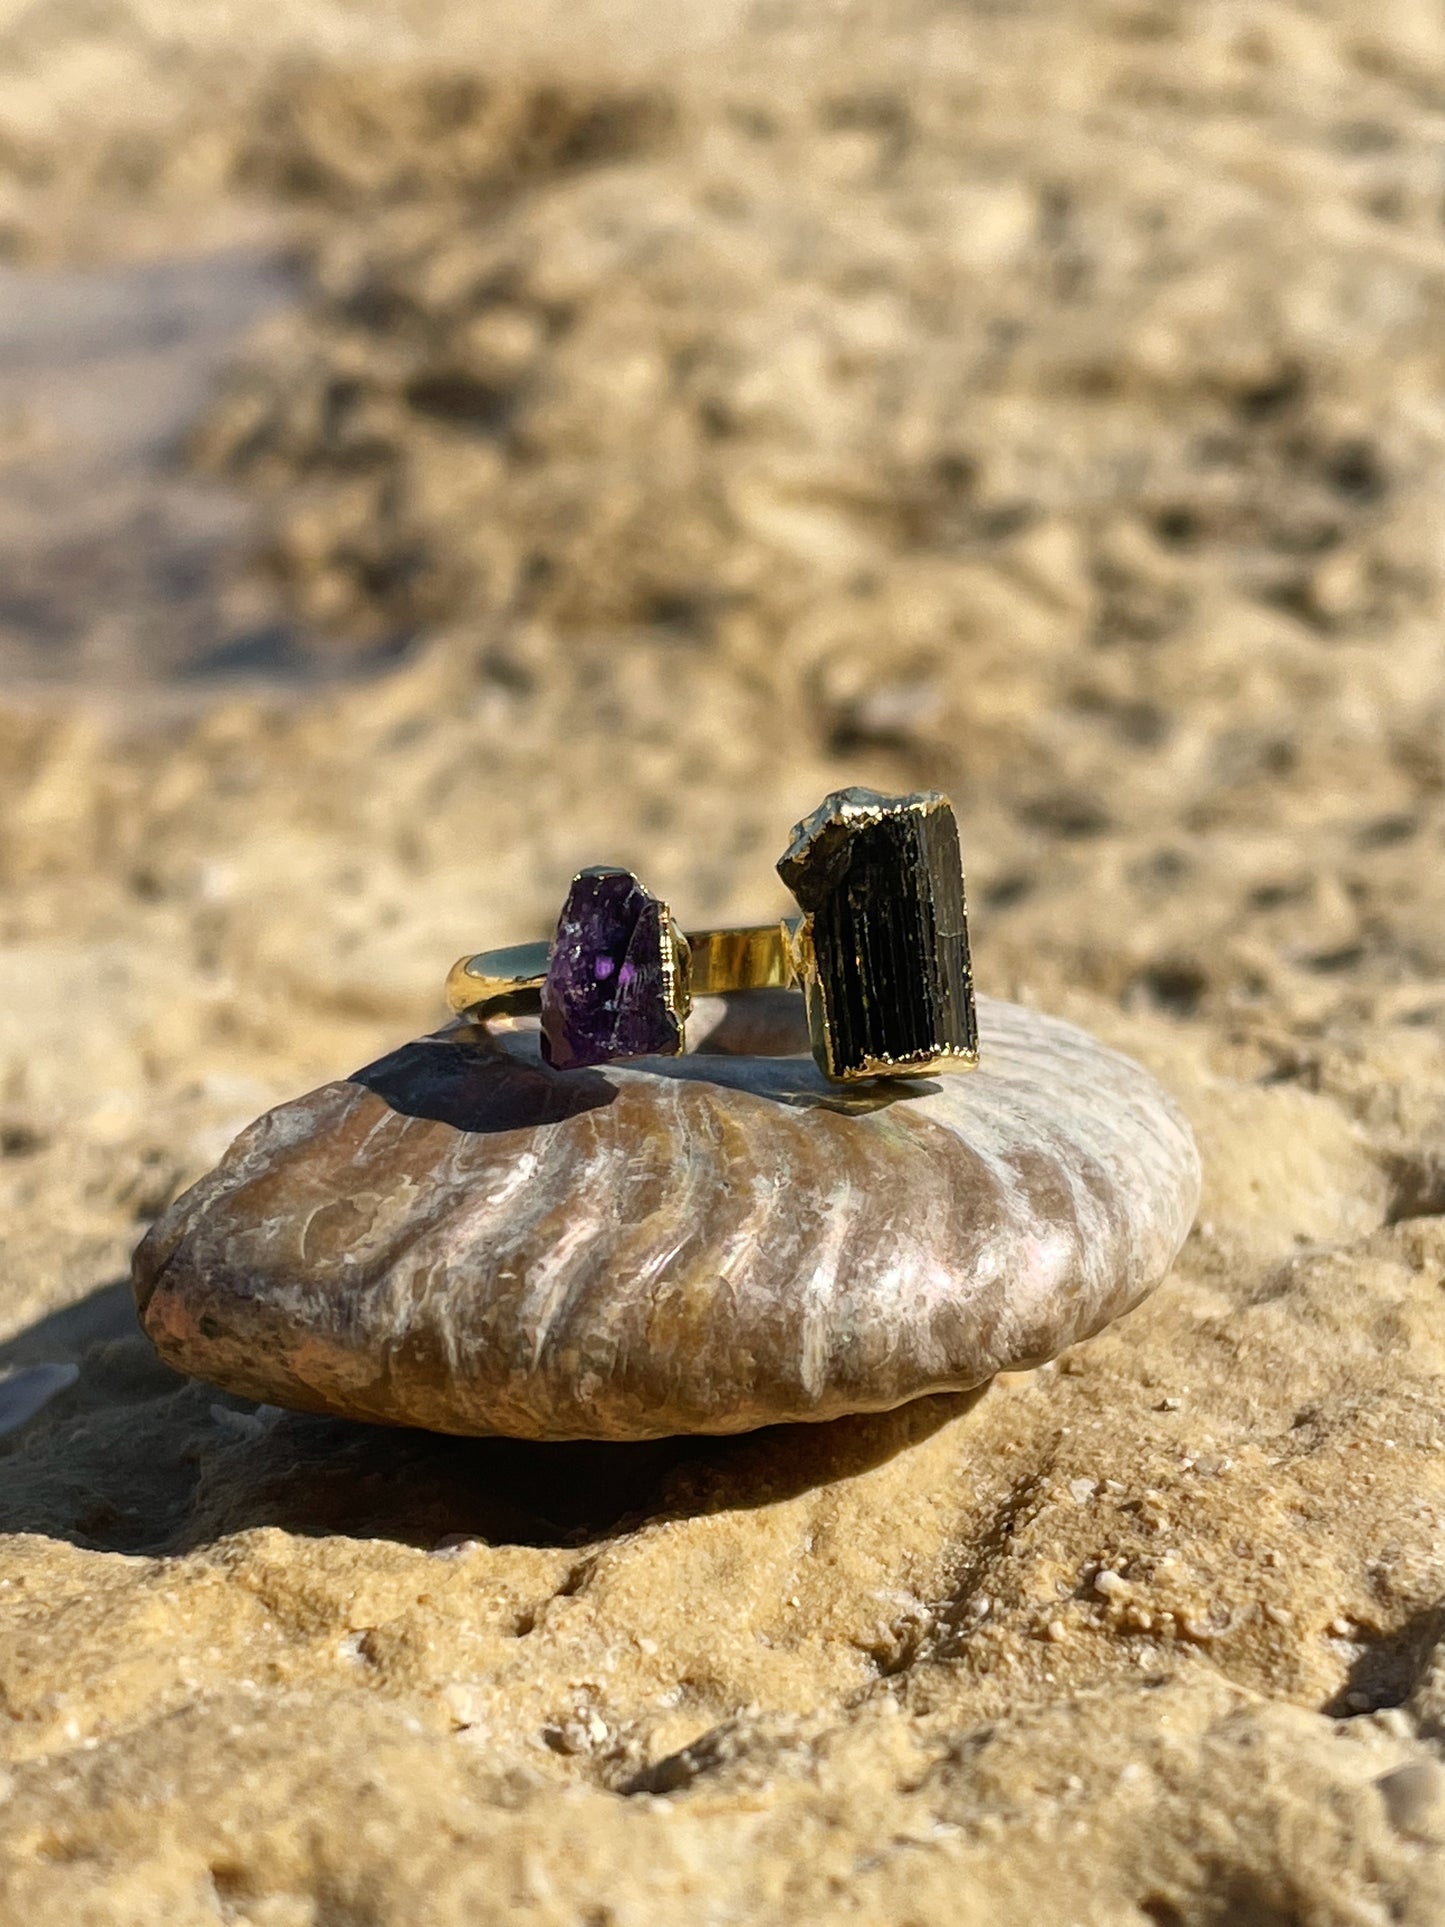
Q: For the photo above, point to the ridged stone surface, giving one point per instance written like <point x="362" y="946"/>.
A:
<point x="461" y="1238"/>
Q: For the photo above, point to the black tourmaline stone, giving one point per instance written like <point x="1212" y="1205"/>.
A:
<point x="882" y="879"/>
<point x="608" y="984"/>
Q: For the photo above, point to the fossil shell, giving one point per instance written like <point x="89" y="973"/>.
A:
<point x="461" y="1238"/>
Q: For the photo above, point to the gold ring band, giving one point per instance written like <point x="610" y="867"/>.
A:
<point x="880" y="952"/>
<point x="509" y="981"/>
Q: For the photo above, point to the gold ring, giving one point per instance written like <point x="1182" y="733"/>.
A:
<point x="880" y="952"/>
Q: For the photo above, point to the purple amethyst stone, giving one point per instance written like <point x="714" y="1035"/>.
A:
<point x="608" y="984"/>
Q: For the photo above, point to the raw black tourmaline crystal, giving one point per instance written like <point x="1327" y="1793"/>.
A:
<point x="882" y="879"/>
<point x="608" y="991"/>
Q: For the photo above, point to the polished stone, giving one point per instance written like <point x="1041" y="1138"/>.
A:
<point x="882" y="879"/>
<point x="464" y="1239"/>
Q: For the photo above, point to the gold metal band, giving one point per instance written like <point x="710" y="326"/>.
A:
<point x="509" y="982"/>
<point x="495" y="977"/>
<point x="761" y="957"/>
<point x="880" y="953"/>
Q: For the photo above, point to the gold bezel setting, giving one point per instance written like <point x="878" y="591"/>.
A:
<point x="880" y="951"/>
<point x="880" y="877"/>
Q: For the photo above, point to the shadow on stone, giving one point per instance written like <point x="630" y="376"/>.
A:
<point x="756" y="1043"/>
<point x="312" y="1475"/>
<point x="133" y="1458"/>
<point x="104" y="1462"/>
<point x="469" y="1081"/>
<point x="1389" y="1667"/>
<point x="64" y="1336"/>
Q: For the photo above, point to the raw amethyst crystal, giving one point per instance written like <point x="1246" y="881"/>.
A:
<point x="609" y="990"/>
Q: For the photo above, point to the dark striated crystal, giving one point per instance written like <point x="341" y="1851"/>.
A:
<point x="882" y="879"/>
<point x="608" y="984"/>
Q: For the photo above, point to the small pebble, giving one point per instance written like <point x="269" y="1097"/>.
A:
<point x="1394" y="1721"/>
<point x="1057" y="1631"/>
<point x="1110" y="1583"/>
<point x="1082" y="1490"/>
<point x="246" y="1425"/>
<point x="1414" y="1796"/>
<point x="454" y="1544"/>
<point x="1340" y="1628"/>
<point x="242" y="1425"/>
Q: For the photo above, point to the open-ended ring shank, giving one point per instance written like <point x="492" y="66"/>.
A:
<point x="509" y="981"/>
<point x="880" y="953"/>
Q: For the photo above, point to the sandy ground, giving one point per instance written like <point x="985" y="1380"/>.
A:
<point x="120" y="568"/>
<point x="1040" y="401"/>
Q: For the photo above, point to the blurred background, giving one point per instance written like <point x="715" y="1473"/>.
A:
<point x="444" y="444"/>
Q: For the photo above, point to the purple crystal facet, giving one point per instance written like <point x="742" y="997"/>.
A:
<point x="605" y="995"/>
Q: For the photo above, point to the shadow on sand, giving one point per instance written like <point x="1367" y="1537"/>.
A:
<point x="130" y="1457"/>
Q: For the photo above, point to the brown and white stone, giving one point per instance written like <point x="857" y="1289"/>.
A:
<point x="461" y="1238"/>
